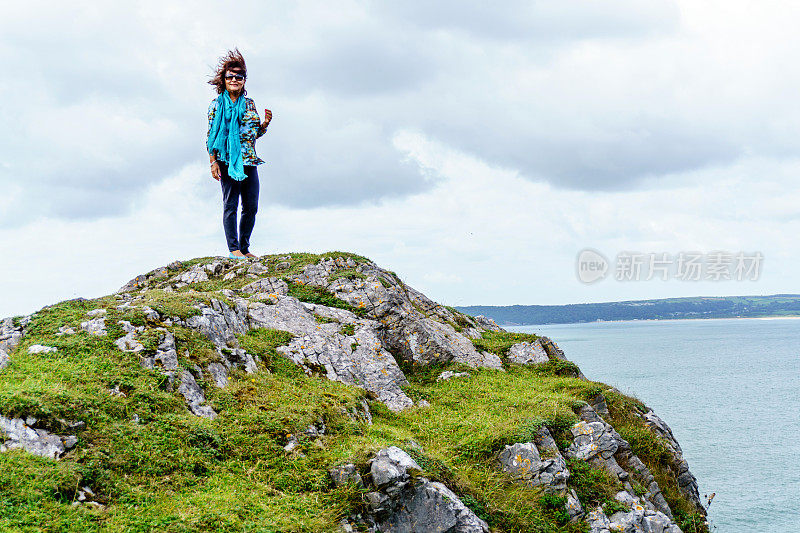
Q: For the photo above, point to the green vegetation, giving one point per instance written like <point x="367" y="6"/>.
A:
<point x="498" y="342"/>
<point x="317" y="295"/>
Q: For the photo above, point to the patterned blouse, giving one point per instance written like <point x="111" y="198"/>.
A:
<point x="249" y="131"/>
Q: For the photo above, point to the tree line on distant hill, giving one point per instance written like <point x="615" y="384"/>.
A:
<point x="666" y="309"/>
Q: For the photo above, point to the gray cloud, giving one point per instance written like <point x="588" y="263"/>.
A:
<point x="358" y="64"/>
<point x="566" y="20"/>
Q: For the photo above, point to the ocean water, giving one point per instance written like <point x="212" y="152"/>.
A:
<point x="730" y="391"/>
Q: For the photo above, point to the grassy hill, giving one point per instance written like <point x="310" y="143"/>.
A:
<point x="143" y="460"/>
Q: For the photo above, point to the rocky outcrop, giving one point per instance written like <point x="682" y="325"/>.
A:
<point x="194" y="396"/>
<point x="128" y="342"/>
<point x="599" y="444"/>
<point x="540" y="463"/>
<point x="402" y="501"/>
<point x="527" y="353"/>
<point x="21" y="434"/>
<point x="487" y="323"/>
<point x="10" y="336"/>
<point x="524" y="462"/>
<point x="393" y="321"/>
<point x="357" y="359"/>
<point x="641" y="518"/>
<point x="686" y="481"/>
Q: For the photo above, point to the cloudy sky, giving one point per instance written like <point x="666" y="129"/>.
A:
<point x="473" y="150"/>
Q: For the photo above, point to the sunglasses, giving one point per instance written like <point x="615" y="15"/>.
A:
<point x="238" y="77"/>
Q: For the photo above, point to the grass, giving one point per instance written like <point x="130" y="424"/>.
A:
<point x="498" y="342"/>
<point x="317" y="295"/>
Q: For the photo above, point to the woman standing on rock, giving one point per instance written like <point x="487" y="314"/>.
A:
<point x="233" y="127"/>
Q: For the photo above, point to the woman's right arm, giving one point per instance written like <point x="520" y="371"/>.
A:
<point x="212" y="156"/>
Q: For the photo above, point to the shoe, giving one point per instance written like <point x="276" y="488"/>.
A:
<point x="235" y="256"/>
<point x="251" y="255"/>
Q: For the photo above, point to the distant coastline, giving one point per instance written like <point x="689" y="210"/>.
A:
<point x="774" y="306"/>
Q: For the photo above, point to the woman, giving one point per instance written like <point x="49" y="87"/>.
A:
<point x="233" y="127"/>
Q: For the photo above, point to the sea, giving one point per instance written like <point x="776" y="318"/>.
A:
<point x="730" y="391"/>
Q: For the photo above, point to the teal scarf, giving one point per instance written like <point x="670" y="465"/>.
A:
<point x="224" y="134"/>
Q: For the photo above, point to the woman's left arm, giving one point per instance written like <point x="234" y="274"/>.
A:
<point x="251" y="117"/>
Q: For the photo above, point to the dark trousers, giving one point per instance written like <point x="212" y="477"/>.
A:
<point x="232" y="190"/>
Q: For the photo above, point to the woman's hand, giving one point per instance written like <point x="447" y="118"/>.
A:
<point x="267" y="118"/>
<point x="215" y="172"/>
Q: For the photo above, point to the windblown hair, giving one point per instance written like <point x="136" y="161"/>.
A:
<point x="233" y="60"/>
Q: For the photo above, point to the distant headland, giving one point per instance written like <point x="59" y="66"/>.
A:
<point x="776" y="305"/>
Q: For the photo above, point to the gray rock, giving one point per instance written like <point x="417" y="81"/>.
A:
<point x="344" y="474"/>
<point x="214" y="268"/>
<point x="139" y="282"/>
<point x="238" y="357"/>
<point x="5" y="360"/>
<point x="555" y="352"/>
<point x="65" y="330"/>
<point x="36" y="441"/>
<point x="316" y="430"/>
<point x="487" y="323"/>
<point x="358" y="360"/>
<point x="472" y="333"/>
<point x="196" y="274"/>
<point x="257" y="269"/>
<point x="640" y="518"/>
<point x="97" y="312"/>
<point x="523" y="461"/>
<point x="10" y="335"/>
<point x="151" y="314"/>
<point x="391" y="465"/>
<point x="431" y="506"/>
<point x="219" y="373"/>
<point x="144" y="280"/>
<point x="220" y="323"/>
<point x="449" y="374"/>
<point x="166" y="354"/>
<point x="573" y="506"/>
<point x="267" y="285"/>
<point x="292" y="444"/>
<point x="194" y="396"/>
<point x="424" y="340"/>
<point x="128" y="343"/>
<point x="527" y="353"/>
<point x="38" y="348"/>
<point x="591" y="440"/>
<point x="96" y="326"/>
<point x="597" y="442"/>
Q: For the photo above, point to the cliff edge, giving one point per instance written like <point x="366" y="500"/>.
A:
<point x="305" y="392"/>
